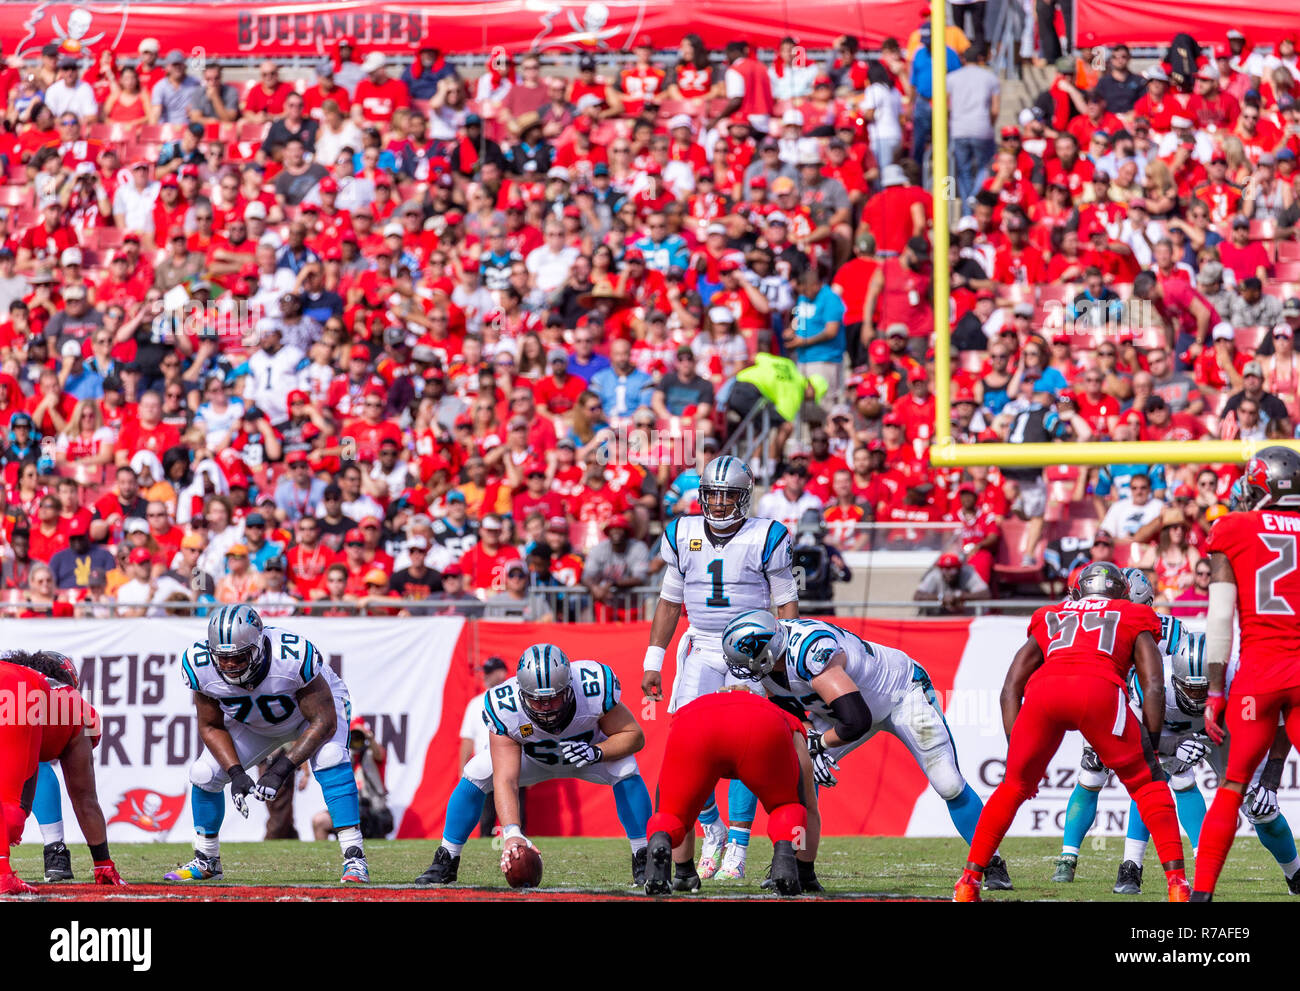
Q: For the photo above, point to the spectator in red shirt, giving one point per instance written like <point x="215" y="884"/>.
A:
<point x="1245" y="257"/>
<point x="265" y="97"/>
<point x="148" y="432"/>
<point x="44" y="242"/>
<point x="484" y="563"/>
<point x="49" y="535"/>
<point x="1219" y="367"/>
<point x="378" y="95"/>
<point x="558" y="391"/>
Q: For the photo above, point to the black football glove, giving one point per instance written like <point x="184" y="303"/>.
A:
<point x="273" y="780"/>
<point x="241" y="785"/>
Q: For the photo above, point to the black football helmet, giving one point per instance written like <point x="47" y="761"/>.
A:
<point x="1272" y="480"/>
<point x="1103" y="579"/>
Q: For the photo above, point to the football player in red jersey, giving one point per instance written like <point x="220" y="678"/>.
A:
<point x="1071" y="674"/>
<point x="732" y="733"/>
<point x="1253" y="572"/>
<point x="68" y="733"/>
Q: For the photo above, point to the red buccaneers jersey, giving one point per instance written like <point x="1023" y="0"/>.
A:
<point x="67" y="716"/>
<point x="1092" y="636"/>
<point x="1262" y="548"/>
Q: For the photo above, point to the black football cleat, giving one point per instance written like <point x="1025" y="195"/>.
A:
<point x="659" y="858"/>
<point x="996" y="877"/>
<point x="58" y="862"/>
<point x="785" y="869"/>
<point x="638" y="867"/>
<point x="808" y="878"/>
<point x="443" y="870"/>
<point x="1202" y="896"/>
<point x="1129" y="879"/>
<point x="1293" y="883"/>
<point x="686" y="878"/>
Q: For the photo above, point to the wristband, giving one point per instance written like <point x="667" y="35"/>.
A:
<point x="512" y="831"/>
<point x="654" y="658"/>
<point x="234" y="769"/>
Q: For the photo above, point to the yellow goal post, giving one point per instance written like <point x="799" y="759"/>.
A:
<point x="947" y="453"/>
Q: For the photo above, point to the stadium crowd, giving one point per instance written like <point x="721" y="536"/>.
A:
<point x="396" y="333"/>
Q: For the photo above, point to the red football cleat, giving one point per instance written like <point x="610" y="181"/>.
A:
<point x="967" y="888"/>
<point x="1179" y="890"/>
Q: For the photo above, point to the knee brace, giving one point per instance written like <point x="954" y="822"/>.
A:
<point x="330" y="755"/>
<point x="203" y="775"/>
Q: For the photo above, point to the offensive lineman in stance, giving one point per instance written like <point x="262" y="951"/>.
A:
<point x="555" y="718"/>
<point x="1070" y="674"/>
<point x="719" y="565"/>
<point x="849" y="690"/>
<point x="1253" y="572"/>
<point x="739" y="735"/>
<point x="276" y="689"/>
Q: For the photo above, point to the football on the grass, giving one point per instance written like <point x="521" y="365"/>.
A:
<point x="524" y="869"/>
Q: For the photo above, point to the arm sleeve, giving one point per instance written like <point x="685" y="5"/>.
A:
<point x="673" y="588"/>
<point x="777" y="558"/>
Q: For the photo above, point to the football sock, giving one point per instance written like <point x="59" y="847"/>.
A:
<point x="463" y="811"/>
<point x="632" y="802"/>
<point x="1080" y="814"/>
<point x="1157" y="808"/>
<point x="709" y="814"/>
<point x="349" y="837"/>
<point x="1137" y="836"/>
<point x="339" y="786"/>
<point x="1277" y="839"/>
<point x="965" y="811"/>
<point x="738" y="835"/>
<point x="207" y="846"/>
<point x="742" y="804"/>
<point x="994" y="822"/>
<point x="208" y="809"/>
<point x="47" y="805"/>
<point x="1135" y="849"/>
<point x="1217" y="832"/>
<point x="1191" y="812"/>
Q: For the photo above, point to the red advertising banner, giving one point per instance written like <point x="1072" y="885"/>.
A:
<point x="232" y="29"/>
<point x="1143" y="22"/>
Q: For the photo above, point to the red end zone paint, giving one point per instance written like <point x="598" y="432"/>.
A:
<point x="267" y="893"/>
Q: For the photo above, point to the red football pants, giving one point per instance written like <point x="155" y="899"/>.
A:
<point x="1098" y="709"/>
<point x="728" y="735"/>
<point x="20" y="748"/>
<point x="1251" y="721"/>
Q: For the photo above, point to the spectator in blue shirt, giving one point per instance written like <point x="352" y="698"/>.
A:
<point x="424" y="74"/>
<point x="662" y="250"/>
<point x="816" y="334"/>
<point x="585" y="363"/>
<point x="923" y="85"/>
<point x="73" y="565"/>
<point x="622" y="387"/>
<point x="1116" y="478"/>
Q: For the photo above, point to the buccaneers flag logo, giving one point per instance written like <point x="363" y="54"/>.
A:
<point x="150" y="811"/>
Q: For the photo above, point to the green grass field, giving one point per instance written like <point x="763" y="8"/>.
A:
<point x="879" y="866"/>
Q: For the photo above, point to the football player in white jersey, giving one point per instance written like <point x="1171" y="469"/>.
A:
<point x="718" y="565"/>
<point x="1182" y="746"/>
<point x="256" y="689"/>
<point x="849" y="690"/>
<point x="555" y="718"/>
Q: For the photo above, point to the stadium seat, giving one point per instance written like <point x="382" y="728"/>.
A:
<point x="1007" y="567"/>
<point x="1288" y="271"/>
<point x="1263" y="230"/>
<point x="250" y="131"/>
<point x="105" y="238"/>
<point x="972" y="361"/>
<point x="1056" y="294"/>
<point x="1288" y="251"/>
<point x="15" y="196"/>
<point x="1248" y="338"/>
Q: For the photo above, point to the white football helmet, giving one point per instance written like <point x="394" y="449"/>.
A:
<point x="237" y="644"/>
<point x="752" y="643"/>
<point x="726" y="488"/>
<point x="546" y="686"/>
<point x="1139" y="589"/>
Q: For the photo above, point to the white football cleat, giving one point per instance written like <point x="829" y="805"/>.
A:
<point x="733" y="862"/>
<point x="715" y="835"/>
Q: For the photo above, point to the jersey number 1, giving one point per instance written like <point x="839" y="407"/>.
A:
<point x="717" y="600"/>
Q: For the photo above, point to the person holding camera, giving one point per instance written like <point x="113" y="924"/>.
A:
<point x="369" y="762"/>
<point x="817" y="565"/>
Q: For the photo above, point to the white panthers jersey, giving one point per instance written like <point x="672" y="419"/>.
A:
<point x="596" y="690"/>
<point x="883" y="674"/>
<point x="270" y="707"/>
<point x="717" y="582"/>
